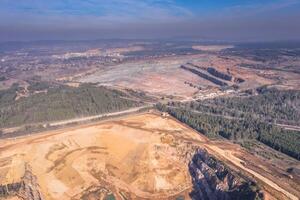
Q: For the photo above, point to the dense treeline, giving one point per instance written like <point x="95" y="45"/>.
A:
<point x="270" y="104"/>
<point x="9" y="95"/>
<point x="244" y="118"/>
<point x="282" y="140"/>
<point x="211" y="126"/>
<point x="38" y="86"/>
<point x="59" y="103"/>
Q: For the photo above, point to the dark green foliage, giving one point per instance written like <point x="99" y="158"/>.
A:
<point x="216" y="126"/>
<point x="246" y="118"/>
<point x="271" y="105"/>
<point x="285" y="141"/>
<point x="38" y="86"/>
<point x="9" y="95"/>
<point x="59" y="103"/>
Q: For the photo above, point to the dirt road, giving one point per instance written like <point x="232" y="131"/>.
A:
<point x="82" y="119"/>
<point x="238" y="162"/>
<point x="278" y="186"/>
<point x="77" y="120"/>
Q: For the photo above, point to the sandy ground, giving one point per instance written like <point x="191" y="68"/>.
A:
<point x="128" y="155"/>
<point x="212" y="48"/>
<point x="139" y="156"/>
<point x="163" y="76"/>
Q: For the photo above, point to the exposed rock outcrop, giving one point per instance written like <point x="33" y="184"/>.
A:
<point x="10" y="189"/>
<point x="204" y="76"/>
<point x="219" y="74"/>
<point x="216" y="73"/>
<point x="27" y="188"/>
<point x="212" y="180"/>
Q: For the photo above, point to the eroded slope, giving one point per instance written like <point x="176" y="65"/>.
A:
<point x="145" y="156"/>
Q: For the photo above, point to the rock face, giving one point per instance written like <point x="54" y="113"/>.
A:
<point x="27" y="188"/>
<point x="212" y="180"/>
<point x="10" y="189"/>
<point x="204" y="76"/>
<point x="219" y="74"/>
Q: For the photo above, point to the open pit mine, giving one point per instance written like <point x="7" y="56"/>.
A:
<point x="144" y="156"/>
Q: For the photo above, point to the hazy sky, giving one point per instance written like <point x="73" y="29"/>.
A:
<point x="233" y="20"/>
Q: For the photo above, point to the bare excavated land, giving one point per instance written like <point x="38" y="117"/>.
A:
<point x="142" y="156"/>
<point x="165" y="76"/>
<point x="153" y="68"/>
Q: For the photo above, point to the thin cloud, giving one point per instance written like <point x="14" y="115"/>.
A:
<point x="260" y="8"/>
<point x="90" y="19"/>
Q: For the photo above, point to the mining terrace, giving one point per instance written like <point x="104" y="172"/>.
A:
<point x="140" y="156"/>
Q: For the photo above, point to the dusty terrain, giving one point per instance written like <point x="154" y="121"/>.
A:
<point x="152" y="68"/>
<point x="165" y="77"/>
<point x="212" y="48"/>
<point x="142" y="156"/>
<point x="134" y="157"/>
<point x="139" y="156"/>
<point x="161" y="76"/>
